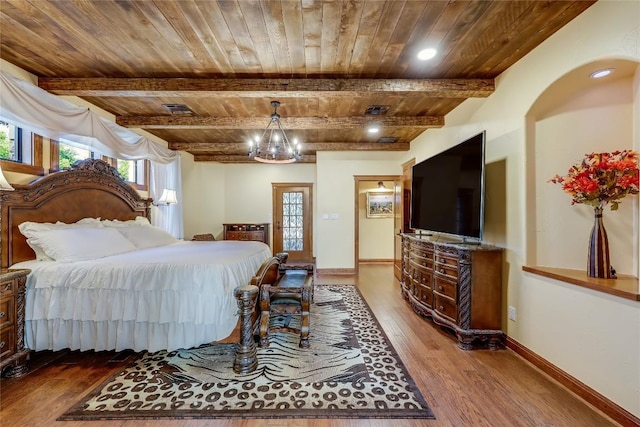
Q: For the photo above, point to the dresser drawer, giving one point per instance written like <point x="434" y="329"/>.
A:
<point x="424" y="295"/>
<point x="422" y="250"/>
<point x="447" y="259"/>
<point x="234" y="235"/>
<point x="421" y="280"/>
<point x="7" y="316"/>
<point x="7" y="288"/>
<point x="7" y="342"/>
<point x="254" y="235"/>
<point x="445" y="307"/>
<point x="424" y="264"/>
<point x="445" y="287"/>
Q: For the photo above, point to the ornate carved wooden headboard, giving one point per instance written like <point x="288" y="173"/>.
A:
<point x="92" y="188"/>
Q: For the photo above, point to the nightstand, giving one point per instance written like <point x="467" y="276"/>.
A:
<point x="13" y="353"/>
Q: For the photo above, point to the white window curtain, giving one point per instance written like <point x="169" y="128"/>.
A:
<point x="29" y="107"/>
<point x="167" y="217"/>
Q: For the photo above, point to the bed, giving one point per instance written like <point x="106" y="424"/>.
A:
<point x="177" y="294"/>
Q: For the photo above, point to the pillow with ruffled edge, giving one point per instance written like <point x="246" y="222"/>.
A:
<point x="30" y="228"/>
<point x="147" y="237"/>
<point x="81" y="244"/>
<point x="116" y="223"/>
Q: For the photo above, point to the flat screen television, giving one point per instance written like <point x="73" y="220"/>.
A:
<point x="447" y="191"/>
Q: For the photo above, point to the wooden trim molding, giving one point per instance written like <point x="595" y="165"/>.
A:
<point x="54" y="156"/>
<point x="336" y="271"/>
<point x="38" y="143"/>
<point x="10" y="166"/>
<point x="591" y="396"/>
<point x="624" y="286"/>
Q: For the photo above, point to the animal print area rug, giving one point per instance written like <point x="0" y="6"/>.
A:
<point x="350" y="371"/>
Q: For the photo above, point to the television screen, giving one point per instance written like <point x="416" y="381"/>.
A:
<point x="447" y="190"/>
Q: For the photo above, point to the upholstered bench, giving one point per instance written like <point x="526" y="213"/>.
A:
<point x="290" y="294"/>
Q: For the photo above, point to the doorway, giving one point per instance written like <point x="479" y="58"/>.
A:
<point x="292" y="220"/>
<point x="362" y="182"/>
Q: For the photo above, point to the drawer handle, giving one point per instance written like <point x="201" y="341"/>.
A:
<point x="442" y="271"/>
<point x="439" y="288"/>
<point x="2" y="344"/>
<point x="2" y="314"/>
<point x="441" y="308"/>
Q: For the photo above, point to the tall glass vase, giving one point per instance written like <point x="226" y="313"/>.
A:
<point x="598" y="264"/>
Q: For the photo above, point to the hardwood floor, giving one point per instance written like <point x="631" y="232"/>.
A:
<point x="477" y="388"/>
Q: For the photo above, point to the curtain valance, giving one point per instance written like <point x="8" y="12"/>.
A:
<point x="27" y="106"/>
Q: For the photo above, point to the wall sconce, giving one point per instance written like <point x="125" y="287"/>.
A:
<point x="4" y="184"/>
<point x="168" y="197"/>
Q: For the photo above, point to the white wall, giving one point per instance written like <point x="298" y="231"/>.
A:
<point x="376" y="236"/>
<point x="217" y="193"/>
<point x="593" y="336"/>
<point x="335" y="195"/>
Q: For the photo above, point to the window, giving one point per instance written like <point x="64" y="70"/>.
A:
<point x="20" y="150"/>
<point x="15" y="143"/>
<point x="69" y="154"/>
<point x="66" y="153"/>
<point x="134" y="172"/>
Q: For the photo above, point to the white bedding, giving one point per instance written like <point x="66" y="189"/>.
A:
<point x="168" y="297"/>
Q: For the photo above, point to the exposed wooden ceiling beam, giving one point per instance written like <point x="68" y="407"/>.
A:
<point x="266" y="88"/>
<point x="227" y="158"/>
<point x="195" y="147"/>
<point x="197" y="122"/>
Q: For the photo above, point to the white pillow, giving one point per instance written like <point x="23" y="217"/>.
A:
<point x="40" y="254"/>
<point x="138" y="221"/>
<point x="34" y="227"/>
<point x="80" y="244"/>
<point x="30" y="229"/>
<point x="147" y="237"/>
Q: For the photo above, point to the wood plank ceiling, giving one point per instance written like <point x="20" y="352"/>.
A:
<point x="326" y="61"/>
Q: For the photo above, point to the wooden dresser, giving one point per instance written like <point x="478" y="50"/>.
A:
<point x="259" y="232"/>
<point x="458" y="286"/>
<point x="13" y="352"/>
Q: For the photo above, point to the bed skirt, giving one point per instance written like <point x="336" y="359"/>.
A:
<point x="120" y="335"/>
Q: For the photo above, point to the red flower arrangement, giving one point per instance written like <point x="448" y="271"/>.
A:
<point x="602" y="178"/>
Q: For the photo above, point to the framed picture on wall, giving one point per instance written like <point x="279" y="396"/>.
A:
<point x="379" y="205"/>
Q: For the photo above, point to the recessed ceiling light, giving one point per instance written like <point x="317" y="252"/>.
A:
<point x="426" y="54"/>
<point x="598" y="74"/>
<point x="373" y="129"/>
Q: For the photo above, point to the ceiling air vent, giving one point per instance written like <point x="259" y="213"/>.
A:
<point x="376" y="110"/>
<point x="387" y="139"/>
<point x="177" y="108"/>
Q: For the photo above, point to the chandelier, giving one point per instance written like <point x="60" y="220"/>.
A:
<point x="274" y="146"/>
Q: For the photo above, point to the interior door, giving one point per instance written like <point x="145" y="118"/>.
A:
<point x="292" y="221"/>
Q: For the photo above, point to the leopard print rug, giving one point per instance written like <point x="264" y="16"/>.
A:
<point x="350" y="371"/>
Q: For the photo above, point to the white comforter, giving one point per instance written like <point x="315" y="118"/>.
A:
<point x="169" y="297"/>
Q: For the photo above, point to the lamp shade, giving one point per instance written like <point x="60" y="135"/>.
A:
<point x="168" y="197"/>
<point x="4" y="184"/>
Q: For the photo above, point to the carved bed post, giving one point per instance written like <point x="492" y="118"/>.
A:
<point x="246" y="359"/>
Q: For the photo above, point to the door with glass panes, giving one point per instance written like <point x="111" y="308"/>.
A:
<point x="292" y="221"/>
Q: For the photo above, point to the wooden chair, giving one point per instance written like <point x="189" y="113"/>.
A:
<point x="289" y="293"/>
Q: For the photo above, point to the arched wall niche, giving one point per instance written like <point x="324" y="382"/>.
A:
<point x="573" y="116"/>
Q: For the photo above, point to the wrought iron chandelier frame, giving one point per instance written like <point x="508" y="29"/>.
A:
<point x="274" y="145"/>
